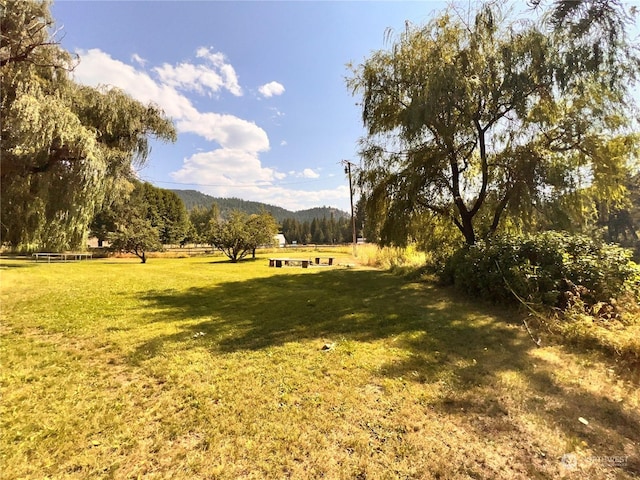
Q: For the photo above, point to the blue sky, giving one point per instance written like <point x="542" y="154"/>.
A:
<point x="256" y="89"/>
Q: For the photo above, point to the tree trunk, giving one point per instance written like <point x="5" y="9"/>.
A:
<point x="467" y="229"/>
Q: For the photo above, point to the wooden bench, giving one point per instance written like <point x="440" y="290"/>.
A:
<point x="48" y="256"/>
<point x="279" y="262"/>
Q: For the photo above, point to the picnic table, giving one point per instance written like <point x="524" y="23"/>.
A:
<point x="279" y="262"/>
<point x="324" y="261"/>
<point x="48" y="256"/>
<point x="302" y="262"/>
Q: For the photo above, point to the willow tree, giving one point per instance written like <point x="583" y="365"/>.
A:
<point x="593" y="35"/>
<point x="469" y="122"/>
<point x="66" y="148"/>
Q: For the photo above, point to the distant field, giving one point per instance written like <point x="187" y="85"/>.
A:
<point x="196" y="368"/>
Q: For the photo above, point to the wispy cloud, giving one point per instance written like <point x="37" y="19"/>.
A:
<point x="306" y="173"/>
<point x="276" y="113"/>
<point x="138" y="59"/>
<point x="271" y="89"/>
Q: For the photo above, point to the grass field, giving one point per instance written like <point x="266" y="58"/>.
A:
<point x="196" y="368"/>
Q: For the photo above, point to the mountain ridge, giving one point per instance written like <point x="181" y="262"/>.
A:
<point x="194" y="198"/>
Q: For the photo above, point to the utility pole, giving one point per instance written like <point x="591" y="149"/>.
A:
<point x="347" y="169"/>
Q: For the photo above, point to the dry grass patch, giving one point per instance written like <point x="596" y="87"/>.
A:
<point x="196" y="368"/>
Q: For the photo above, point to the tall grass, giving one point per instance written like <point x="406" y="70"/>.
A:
<point x="390" y="257"/>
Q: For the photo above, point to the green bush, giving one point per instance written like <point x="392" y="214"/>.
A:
<point x="550" y="268"/>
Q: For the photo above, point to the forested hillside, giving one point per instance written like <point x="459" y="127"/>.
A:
<point x="193" y="198"/>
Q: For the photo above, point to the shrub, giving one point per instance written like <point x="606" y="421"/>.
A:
<point x="550" y="268"/>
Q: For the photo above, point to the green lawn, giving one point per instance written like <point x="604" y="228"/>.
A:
<point x="196" y="368"/>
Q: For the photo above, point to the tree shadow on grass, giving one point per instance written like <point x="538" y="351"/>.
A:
<point x="448" y="337"/>
<point x="358" y="305"/>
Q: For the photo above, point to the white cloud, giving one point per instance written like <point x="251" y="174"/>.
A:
<point x="306" y="173"/>
<point x="233" y="173"/>
<point x="301" y="199"/>
<point x="225" y="168"/>
<point x="270" y="89"/>
<point x="235" y="168"/>
<point x="228" y="73"/>
<point x="98" y="68"/>
<point x="208" y="78"/>
<point x="283" y="143"/>
<point x="229" y="131"/>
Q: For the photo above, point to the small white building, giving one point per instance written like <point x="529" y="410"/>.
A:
<point x="93" y="242"/>
<point x="279" y="240"/>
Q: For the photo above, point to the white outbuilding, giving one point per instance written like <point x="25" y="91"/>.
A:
<point x="279" y="240"/>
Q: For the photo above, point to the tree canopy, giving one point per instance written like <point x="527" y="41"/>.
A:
<point x="593" y="37"/>
<point x="477" y="122"/>
<point x="242" y="233"/>
<point x="319" y="230"/>
<point x="166" y="212"/>
<point x="66" y="148"/>
<point x="132" y="230"/>
<point x="162" y="208"/>
<point x="199" y="222"/>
